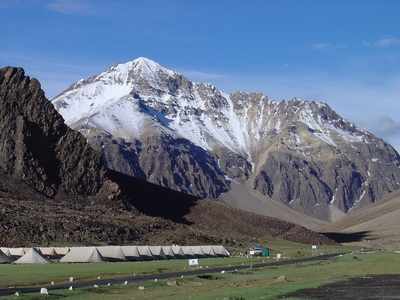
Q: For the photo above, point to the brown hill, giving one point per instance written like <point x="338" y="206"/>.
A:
<point x="376" y="225"/>
<point x="55" y="190"/>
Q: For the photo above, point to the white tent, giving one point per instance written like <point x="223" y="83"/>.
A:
<point x="168" y="251"/>
<point x="82" y="255"/>
<point x="156" y="251"/>
<point x="61" y="251"/>
<point x="130" y="252"/>
<point x="220" y="250"/>
<point x="6" y="251"/>
<point x="177" y="250"/>
<point x="208" y="251"/>
<point x="188" y="251"/>
<point x="144" y="252"/>
<point x="111" y="253"/>
<point x="31" y="257"/>
<point x="48" y="251"/>
<point x="197" y="251"/>
<point x="17" y="251"/>
<point x="4" y="258"/>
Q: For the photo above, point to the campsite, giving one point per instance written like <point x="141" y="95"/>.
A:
<point x="250" y="283"/>
<point x="25" y="275"/>
<point x="199" y="150"/>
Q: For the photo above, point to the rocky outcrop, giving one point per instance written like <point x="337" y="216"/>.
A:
<point x="174" y="163"/>
<point x="55" y="190"/>
<point x="36" y="145"/>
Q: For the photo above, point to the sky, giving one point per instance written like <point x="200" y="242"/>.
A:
<point x="343" y="52"/>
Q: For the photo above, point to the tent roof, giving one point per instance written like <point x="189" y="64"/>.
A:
<point x="114" y="252"/>
<point x="197" y="250"/>
<point x="208" y="250"/>
<point x="220" y="250"/>
<point x="144" y="250"/>
<point x="61" y="250"/>
<point x="6" y="251"/>
<point x="167" y="250"/>
<point x="187" y="250"/>
<point x="82" y="255"/>
<point x="17" y="251"/>
<point x="32" y="256"/>
<point x="156" y="250"/>
<point x="4" y="258"/>
<point x="130" y="251"/>
<point x="50" y="251"/>
<point x="177" y="250"/>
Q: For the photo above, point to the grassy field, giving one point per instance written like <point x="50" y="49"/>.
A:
<point x="23" y="275"/>
<point x="266" y="283"/>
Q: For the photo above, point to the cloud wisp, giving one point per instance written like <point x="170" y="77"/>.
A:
<point x="71" y="7"/>
<point x="387" y="42"/>
<point x="202" y="76"/>
<point x="324" y="46"/>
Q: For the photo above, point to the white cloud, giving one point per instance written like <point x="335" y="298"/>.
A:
<point x="385" y="127"/>
<point x="80" y="7"/>
<point x="386" y="42"/>
<point x="202" y="76"/>
<point x="320" y="46"/>
<point x="323" y="46"/>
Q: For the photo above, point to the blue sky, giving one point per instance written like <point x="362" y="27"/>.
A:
<point x="344" y="52"/>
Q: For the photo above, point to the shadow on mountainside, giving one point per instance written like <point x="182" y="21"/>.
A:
<point x="348" y="237"/>
<point x="154" y="200"/>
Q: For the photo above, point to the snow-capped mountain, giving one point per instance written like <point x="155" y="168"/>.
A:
<point x="154" y="123"/>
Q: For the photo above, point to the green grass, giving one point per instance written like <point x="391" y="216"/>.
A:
<point x="249" y="284"/>
<point x="25" y="275"/>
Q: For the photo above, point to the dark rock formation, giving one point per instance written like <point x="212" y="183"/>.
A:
<point x="36" y="145"/>
<point x="55" y="190"/>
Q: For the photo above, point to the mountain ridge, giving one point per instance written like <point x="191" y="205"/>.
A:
<point x="54" y="189"/>
<point x="140" y="114"/>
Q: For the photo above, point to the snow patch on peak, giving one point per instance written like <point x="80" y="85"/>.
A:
<point x="147" y="66"/>
<point x="198" y="112"/>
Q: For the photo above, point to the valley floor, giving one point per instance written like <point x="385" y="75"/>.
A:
<point x="35" y="275"/>
<point x="279" y="282"/>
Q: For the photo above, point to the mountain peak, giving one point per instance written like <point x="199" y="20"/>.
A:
<point x="146" y="66"/>
<point x="144" y="61"/>
<point x="143" y="67"/>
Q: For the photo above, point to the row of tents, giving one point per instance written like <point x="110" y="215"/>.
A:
<point x="42" y="255"/>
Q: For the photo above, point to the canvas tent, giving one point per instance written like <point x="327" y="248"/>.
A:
<point x="168" y="251"/>
<point x="111" y="253"/>
<point x="144" y="252"/>
<point x="130" y="252"/>
<point x="6" y="251"/>
<point x="82" y="255"/>
<point x="61" y="251"/>
<point x="31" y="256"/>
<point x="48" y="252"/>
<point x="220" y="250"/>
<point x="17" y="251"/>
<point x="177" y="251"/>
<point x="188" y="251"/>
<point x="208" y="251"/>
<point x="156" y="251"/>
<point x="197" y="251"/>
<point x="4" y="258"/>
